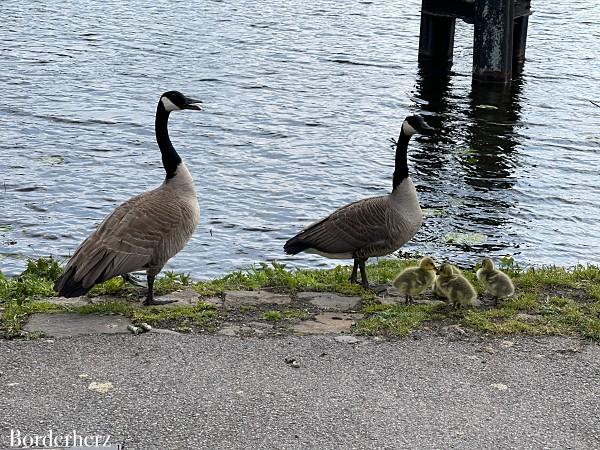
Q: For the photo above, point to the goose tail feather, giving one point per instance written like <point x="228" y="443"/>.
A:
<point x="295" y="246"/>
<point x="66" y="286"/>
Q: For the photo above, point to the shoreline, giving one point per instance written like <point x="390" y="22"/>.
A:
<point x="270" y="299"/>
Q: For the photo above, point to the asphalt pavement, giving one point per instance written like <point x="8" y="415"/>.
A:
<point x="159" y="391"/>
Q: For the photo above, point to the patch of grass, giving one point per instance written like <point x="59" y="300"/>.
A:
<point x="171" y="282"/>
<point x="556" y="277"/>
<point x="272" y="316"/>
<point x="14" y="315"/>
<point x="498" y="321"/>
<point x="114" y="287"/>
<point x="526" y="301"/>
<point x="36" y="280"/>
<point x="202" y="316"/>
<point x="548" y="300"/>
<point x="396" y="320"/>
<point x="593" y="290"/>
<point x="245" y="309"/>
<point x="299" y="314"/>
<point x="278" y="278"/>
<point x="45" y="268"/>
<point x="25" y="287"/>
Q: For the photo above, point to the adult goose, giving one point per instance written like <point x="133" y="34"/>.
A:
<point x="374" y="226"/>
<point x="147" y="230"/>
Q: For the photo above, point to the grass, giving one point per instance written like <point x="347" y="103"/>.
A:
<point x="272" y="316"/>
<point x="203" y="317"/>
<point x="395" y="320"/>
<point x="278" y="278"/>
<point x="548" y="300"/>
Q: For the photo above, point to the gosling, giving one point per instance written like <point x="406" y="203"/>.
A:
<point x="437" y="290"/>
<point x="414" y="280"/>
<point x="456" y="288"/>
<point x="495" y="282"/>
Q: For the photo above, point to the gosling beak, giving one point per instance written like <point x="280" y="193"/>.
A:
<point x="191" y="103"/>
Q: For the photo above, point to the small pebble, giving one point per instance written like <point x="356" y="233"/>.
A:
<point x="101" y="387"/>
<point x="134" y="329"/>
<point x="292" y="362"/>
<point x="488" y="349"/>
<point x="346" y="339"/>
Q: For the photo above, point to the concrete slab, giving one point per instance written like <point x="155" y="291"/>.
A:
<point x="254" y="298"/>
<point x="71" y="324"/>
<point x="68" y="302"/>
<point x="327" y="322"/>
<point x="187" y="297"/>
<point x="329" y="301"/>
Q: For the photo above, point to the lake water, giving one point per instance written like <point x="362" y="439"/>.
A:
<point x="300" y="101"/>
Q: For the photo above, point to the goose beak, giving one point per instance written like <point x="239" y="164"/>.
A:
<point x="425" y="129"/>
<point x="191" y="103"/>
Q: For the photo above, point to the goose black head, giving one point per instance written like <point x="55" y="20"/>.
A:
<point x="176" y="101"/>
<point x="415" y="124"/>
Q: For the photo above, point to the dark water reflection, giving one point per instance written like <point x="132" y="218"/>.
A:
<point x="300" y="100"/>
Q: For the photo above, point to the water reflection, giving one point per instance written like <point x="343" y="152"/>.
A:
<point x="467" y="170"/>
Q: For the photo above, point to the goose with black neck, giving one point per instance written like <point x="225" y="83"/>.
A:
<point x="371" y="227"/>
<point x="148" y="229"/>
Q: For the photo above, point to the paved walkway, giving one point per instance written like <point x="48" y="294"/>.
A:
<point x="157" y="391"/>
<point x="313" y="386"/>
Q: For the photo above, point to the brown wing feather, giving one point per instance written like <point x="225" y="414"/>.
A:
<point x="348" y="228"/>
<point x="127" y="240"/>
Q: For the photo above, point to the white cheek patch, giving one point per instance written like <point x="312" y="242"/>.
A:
<point x="408" y="129"/>
<point x="169" y="105"/>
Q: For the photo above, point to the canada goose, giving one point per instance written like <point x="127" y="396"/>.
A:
<point x="455" y="287"/>
<point x="375" y="226"/>
<point x="146" y="230"/>
<point x="414" y="280"/>
<point x="436" y="285"/>
<point x="495" y="282"/>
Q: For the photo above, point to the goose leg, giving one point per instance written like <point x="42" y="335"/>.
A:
<point x="378" y="288"/>
<point x="128" y="278"/>
<point x="150" y="297"/>
<point x="354" y="270"/>
<point x="363" y="274"/>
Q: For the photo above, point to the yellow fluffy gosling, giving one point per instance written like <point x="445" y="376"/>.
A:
<point x="455" y="287"/>
<point x="414" y="280"/>
<point x="436" y="285"/>
<point x="495" y="282"/>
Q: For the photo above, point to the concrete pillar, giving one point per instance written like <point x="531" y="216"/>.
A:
<point x="520" y="39"/>
<point x="493" y="41"/>
<point x="436" y="40"/>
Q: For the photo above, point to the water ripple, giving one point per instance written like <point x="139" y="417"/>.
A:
<point x="300" y="101"/>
